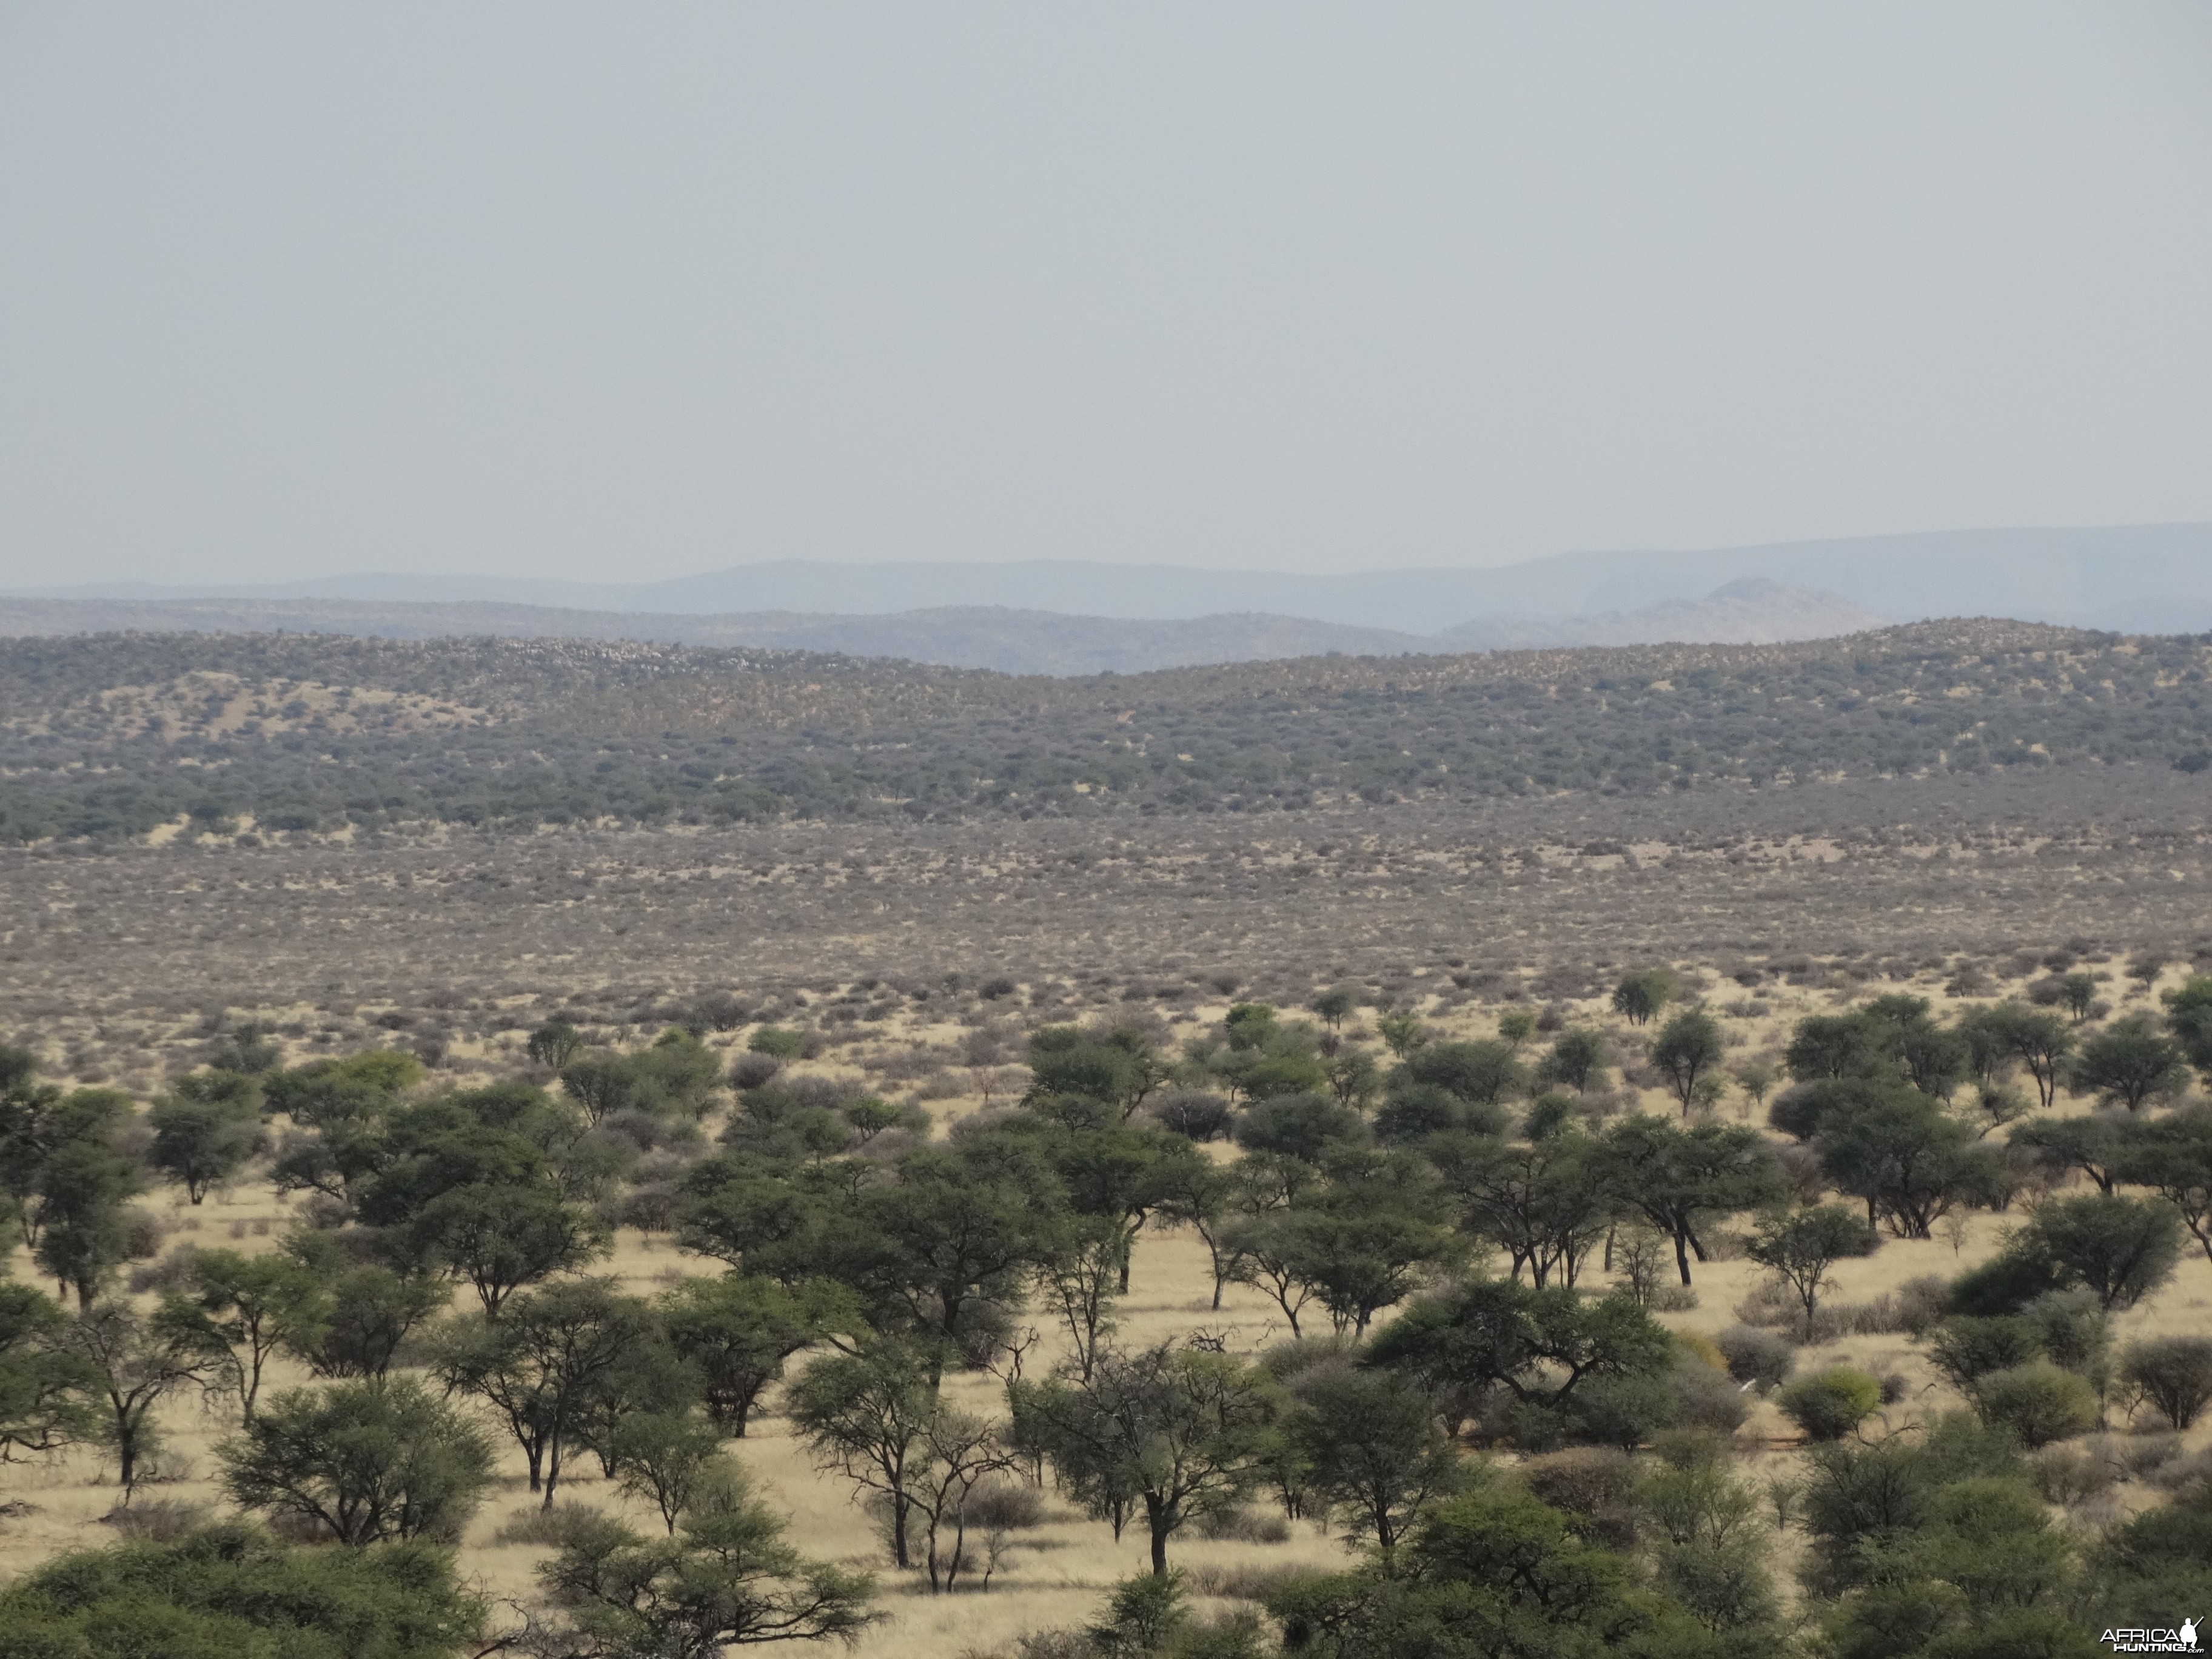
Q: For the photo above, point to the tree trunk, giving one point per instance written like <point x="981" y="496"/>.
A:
<point x="535" y="1451"/>
<point x="252" y="1391"/>
<point x="900" y="1555"/>
<point x="1682" y="1254"/>
<point x="552" y="1469"/>
<point x="1161" y="1518"/>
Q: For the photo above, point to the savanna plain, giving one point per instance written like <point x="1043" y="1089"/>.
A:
<point x="593" y="1152"/>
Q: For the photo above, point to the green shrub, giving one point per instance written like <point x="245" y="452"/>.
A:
<point x="1830" y="1404"/>
<point x="1706" y="1399"/>
<point x="776" y="1041"/>
<point x="2003" y="1285"/>
<point x="2038" y="1402"/>
<point x="1143" y="1615"/>
<point x="2172" y="1374"/>
<point x="231" y="1592"/>
<point x="1756" y="1356"/>
<point x="1968" y="1347"/>
<point x="1596" y="1485"/>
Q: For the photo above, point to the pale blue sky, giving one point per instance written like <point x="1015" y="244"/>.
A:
<point x="625" y="292"/>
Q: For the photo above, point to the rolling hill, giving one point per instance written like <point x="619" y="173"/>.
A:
<point x="117" y="735"/>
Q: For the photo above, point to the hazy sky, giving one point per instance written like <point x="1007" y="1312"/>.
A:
<point x="630" y="291"/>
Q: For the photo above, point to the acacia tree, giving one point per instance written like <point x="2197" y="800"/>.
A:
<point x="1543" y="1202"/>
<point x="867" y="1416"/>
<point x="1641" y="995"/>
<point x="357" y="1316"/>
<point x="2061" y="1146"/>
<point x="256" y="1304"/>
<point x="199" y="1143"/>
<point x="537" y="1363"/>
<point x="1688" y="1048"/>
<point x="737" y="1331"/>
<point x="361" y="1461"/>
<point x="669" y="1458"/>
<point x="1199" y="1196"/>
<point x="336" y="1094"/>
<point x="1271" y="1252"/>
<point x="961" y="1226"/>
<point x="1577" y="1059"/>
<point x="1179" y="1430"/>
<point x="2189" y="1017"/>
<point x="83" y="1235"/>
<point x="137" y="1362"/>
<point x="1482" y="1073"/>
<point x="2040" y="1042"/>
<point x="1361" y="1257"/>
<point x="1335" y="1004"/>
<point x="958" y="1451"/>
<point x="2173" y="1373"/>
<point x="45" y="1386"/>
<point x="1540" y="1344"/>
<point x="1079" y="1283"/>
<point x="1908" y="1159"/>
<point x="649" y="1379"/>
<point x="1118" y="1177"/>
<point x="1401" y="1033"/>
<point x="29" y="1115"/>
<point x="1804" y="1245"/>
<point x="2127" y="1064"/>
<point x="1371" y="1445"/>
<point x="1676" y="1177"/>
<point x="2173" y="1157"/>
<point x="2122" y="1249"/>
<point x="726" y="1579"/>
<point x="500" y="1236"/>
<point x="554" y="1044"/>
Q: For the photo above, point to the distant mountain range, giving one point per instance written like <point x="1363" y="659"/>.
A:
<point x="1749" y="612"/>
<point x="2144" y="578"/>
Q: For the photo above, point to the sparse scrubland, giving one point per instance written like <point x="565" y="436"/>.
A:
<point x="115" y="735"/>
<point x="1691" y="1204"/>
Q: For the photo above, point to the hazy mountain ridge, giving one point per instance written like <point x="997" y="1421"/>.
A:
<point x="977" y="636"/>
<point x="2132" y="578"/>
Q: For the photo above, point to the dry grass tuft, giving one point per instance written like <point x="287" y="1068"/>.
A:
<point x="156" y="1520"/>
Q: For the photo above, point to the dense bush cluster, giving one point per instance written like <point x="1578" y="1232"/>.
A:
<point x="113" y="735"/>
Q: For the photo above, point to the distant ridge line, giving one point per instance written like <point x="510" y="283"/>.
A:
<point x="2136" y="578"/>
<point x="994" y="637"/>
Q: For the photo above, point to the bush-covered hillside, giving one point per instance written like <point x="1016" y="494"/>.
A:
<point x="115" y="734"/>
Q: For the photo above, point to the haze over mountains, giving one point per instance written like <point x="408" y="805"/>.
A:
<point x="1065" y="618"/>
<point x="970" y="636"/>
